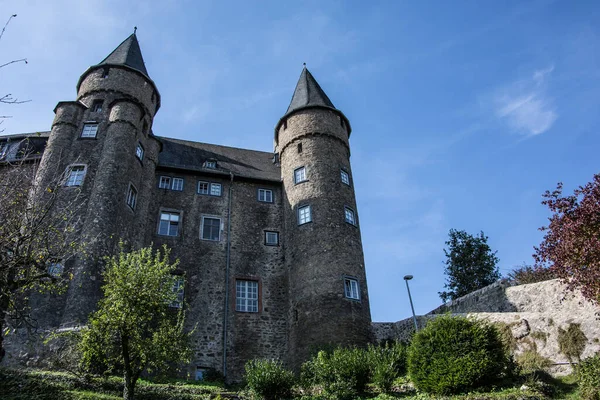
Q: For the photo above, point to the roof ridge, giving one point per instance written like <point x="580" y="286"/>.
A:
<point x="213" y="144"/>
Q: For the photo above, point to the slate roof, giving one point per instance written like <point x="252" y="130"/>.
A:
<point x="187" y="155"/>
<point x="127" y="53"/>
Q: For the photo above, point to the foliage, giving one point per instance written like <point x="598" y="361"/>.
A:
<point x="589" y="378"/>
<point x="571" y="243"/>
<point x="134" y="328"/>
<point x="530" y="274"/>
<point x="269" y="379"/>
<point x="572" y="341"/>
<point x="387" y="363"/>
<point x="470" y="264"/>
<point x="456" y="354"/>
<point x="506" y="336"/>
<point x="38" y="235"/>
<point x="530" y="362"/>
<point x="342" y="373"/>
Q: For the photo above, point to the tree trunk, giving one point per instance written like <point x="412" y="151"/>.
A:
<point x="3" y="310"/>
<point x="129" y="386"/>
<point x="129" y="379"/>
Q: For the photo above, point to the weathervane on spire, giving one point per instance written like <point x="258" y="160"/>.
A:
<point x="134" y="29"/>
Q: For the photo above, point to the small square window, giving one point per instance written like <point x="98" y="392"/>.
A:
<point x="304" y="215"/>
<point x="349" y="216"/>
<point x="265" y="195"/>
<point x="177" y="184"/>
<point x="75" y="175"/>
<point x="246" y="296"/>
<point x="169" y="223"/>
<point x="210" y="164"/>
<point x="89" y="131"/>
<point x="215" y="189"/>
<point x="164" y="182"/>
<point x="179" y="290"/>
<point x="97" y="106"/>
<point x="351" y="289"/>
<point x="271" y="238"/>
<point x="139" y="151"/>
<point x="131" y="197"/>
<point x="203" y="187"/>
<point x="345" y="177"/>
<point x="299" y="175"/>
<point x="210" y="229"/>
<point x="55" y="269"/>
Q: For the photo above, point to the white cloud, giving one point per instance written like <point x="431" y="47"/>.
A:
<point x="525" y="105"/>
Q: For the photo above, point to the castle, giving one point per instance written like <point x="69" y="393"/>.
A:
<point x="271" y="259"/>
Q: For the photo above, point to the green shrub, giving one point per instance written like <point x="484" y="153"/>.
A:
<point x="589" y="378"/>
<point x="572" y="341"/>
<point x="387" y="363"/>
<point x="456" y="354"/>
<point x="531" y="362"/>
<point x="268" y="379"/>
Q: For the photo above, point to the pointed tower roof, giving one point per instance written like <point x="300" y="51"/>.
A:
<point x="129" y="54"/>
<point x="308" y="94"/>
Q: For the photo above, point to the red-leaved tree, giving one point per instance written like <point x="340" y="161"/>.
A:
<point x="571" y="244"/>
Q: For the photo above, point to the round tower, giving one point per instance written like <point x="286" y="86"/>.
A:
<point x="103" y="144"/>
<point x="329" y="303"/>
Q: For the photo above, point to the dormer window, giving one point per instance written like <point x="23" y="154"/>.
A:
<point x="210" y="164"/>
<point x="97" y="106"/>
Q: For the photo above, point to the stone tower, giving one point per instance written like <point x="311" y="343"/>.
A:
<point x="329" y="302"/>
<point x="103" y="144"/>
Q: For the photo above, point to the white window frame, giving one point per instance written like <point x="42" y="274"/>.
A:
<point x="179" y="289"/>
<point x="216" y="189"/>
<point x="131" y="199"/>
<point x="167" y="180"/>
<point x="77" y="180"/>
<point x="345" y="177"/>
<point x="176" y="186"/>
<point x="351" y="288"/>
<point x="89" y="131"/>
<point x="271" y="235"/>
<point x="304" y="214"/>
<point x="204" y="218"/>
<point x="350" y="216"/>
<point x="210" y="164"/>
<point x="171" y="218"/>
<point x="207" y="191"/>
<point x="265" y="195"/>
<point x="300" y="175"/>
<point x="246" y="295"/>
<point x="139" y="151"/>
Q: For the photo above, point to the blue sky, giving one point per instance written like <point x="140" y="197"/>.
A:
<point x="463" y="113"/>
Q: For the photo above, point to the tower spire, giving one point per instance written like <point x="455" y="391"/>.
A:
<point x="128" y="53"/>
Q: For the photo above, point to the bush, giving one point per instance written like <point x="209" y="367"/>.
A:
<point x="342" y="374"/>
<point x="572" y="341"/>
<point x="456" y="354"/>
<point x="589" y="378"/>
<point x="268" y="379"/>
<point x="531" y="362"/>
<point x="387" y="363"/>
<point x="528" y="274"/>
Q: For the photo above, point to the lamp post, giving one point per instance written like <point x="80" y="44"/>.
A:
<point x="408" y="278"/>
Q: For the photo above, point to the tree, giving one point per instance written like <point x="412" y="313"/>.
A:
<point x="571" y="243"/>
<point x="8" y="98"/>
<point x="470" y="264"/>
<point x="136" y="328"/>
<point x="38" y="225"/>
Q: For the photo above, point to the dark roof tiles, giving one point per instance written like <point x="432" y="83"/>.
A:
<point x="308" y="93"/>
<point x="128" y="53"/>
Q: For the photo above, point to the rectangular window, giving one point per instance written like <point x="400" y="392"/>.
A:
<point x="164" y="183"/>
<point x="246" y="296"/>
<point x="177" y="184"/>
<point x="131" y="197"/>
<point x="210" y="164"/>
<point x="139" y="151"/>
<point x="203" y="187"/>
<point x="215" y="189"/>
<point x="271" y="238"/>
<point x="265" y="195"/>
<point x="169" y="223"/>
<point x="210" y="229"/>
<point x="345" y="177"/>
<point x="97" y="106"/>
<point x="304" y="215"/>
<point x="75" y="176"/>
<point x="299" y="175"/>
<point x="55" y="269"/>
<point x="349" y="216"/>
<point x="178" y="289"/>
<point x="351" y="289"/>
<point x="89" y="131"/>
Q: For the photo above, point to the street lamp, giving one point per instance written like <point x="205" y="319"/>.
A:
<point x="408" y="278"/>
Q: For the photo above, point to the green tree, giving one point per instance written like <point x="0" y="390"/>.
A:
<point x="470" y="264"/>
<point x="136" y="327"/>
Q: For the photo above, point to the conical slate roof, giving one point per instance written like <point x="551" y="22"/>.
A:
<point x="308" y="93"/>
<point x="127" y="53"/>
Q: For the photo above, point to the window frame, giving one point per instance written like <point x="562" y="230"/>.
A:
<point x="348" y="294"/>
<point x="173" y="184"/>
<point x="299" y="212"/>
<point x="215" y="184"/>
<point x="207" y="193"/>
<point x="131" y="189"/>
<point x="354" y="221"/>
<point x="245" y="307"/>
<point x="305" y="176"/>
<point x="179" y="222"/>
<point x="160" y="178"/>
<point x="55" y="268"/>
<point x="97" y="105"/>
<point x="139" y="151"/>
<point x="210" y="164"/>
<point x="267" y="243"/>
<point x="68" y="175"/>
<point x="214" y="217"/>
<point x="345" y="173"/>
<point x="179" y="289"/>
<point x="265" y="191"/>
<point x="90" y="124"/>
